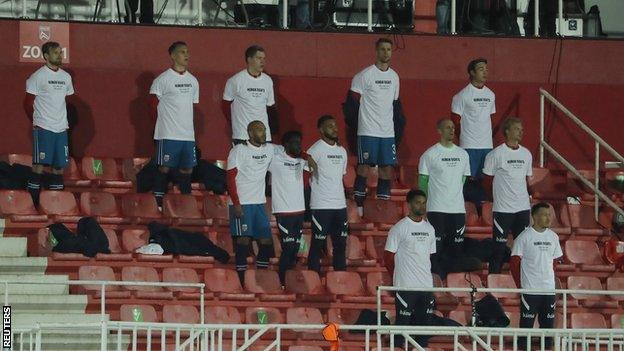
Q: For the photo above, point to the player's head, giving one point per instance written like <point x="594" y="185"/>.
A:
<point x="328" y="127"/>
<point x="383" y="48"/>
<point x="512" y="129"/>
<point x="478" y="70"/>
<point x="417" y="202"/>
<point x="52" y="53"/>
<point x="446" y="128"/>
<point x="291" y="141"/>
<point x="541" y="215"/>
<point x="179" y="53"/>
<point x="257" y="132"/>
<point x="255" y="56"/>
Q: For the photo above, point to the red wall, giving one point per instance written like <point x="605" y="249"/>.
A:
<point x="113" y="66"/>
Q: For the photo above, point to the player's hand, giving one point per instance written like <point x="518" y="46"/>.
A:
<point x="238" y="211"/>
<point x="312" y="165"/>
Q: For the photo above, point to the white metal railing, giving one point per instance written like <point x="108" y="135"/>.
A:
<point x="240" y="337"/>
<point x="104" y="283"/>
<point x="193" y="12"/>
<point x="598" y="142"/>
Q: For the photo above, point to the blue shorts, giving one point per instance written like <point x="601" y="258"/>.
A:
<point x="50" y="148"/>
<point x="176" y="153"/>
<point x="254" y="223"/>
<point x="376" y="151"/>
<point x="477" y="161"/>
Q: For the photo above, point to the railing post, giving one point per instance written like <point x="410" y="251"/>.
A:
<point x="23" y="8"/>
<point x="103" y="336"/>
<point x="453" y="17"/>
<point x="102" y="301"/>
<point x="6" y="293"/>
<point x="285" y="14"/>
<point x="200" y="13"/>
<point x="370" y="15"/>
<point x="596" y="179"/>
<point x="536" y="23"/>
<point x="560" y="17"/>
<point x="201" y="303"/>
<point x="565" y="310"/>
<point x="541" y="147"/>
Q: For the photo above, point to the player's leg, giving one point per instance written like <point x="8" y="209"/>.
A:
<point x="501" y="226"/>
<point x="339" y="230"/>
<point x="60" y="160"/>
<point x="290" y="230"/>
<point x="457" y="228"/>
<point x="522" y="220"/>
<point x="422" y="308"/>
<point x="188" y="160"/>
<point x="366" y="150"/>
<point x="404" y="304"/>
<point x="386" y="160"/>
<point x="42" y="154"/>
<point x="546" y="315"/>
<point x="529" y="305"/>
<point x="320" y="222"/>
<point x="240" y="228"/>
<point x="262" y="233"/>
<point x="436" y="219"/>
<point x="166" y="158"/>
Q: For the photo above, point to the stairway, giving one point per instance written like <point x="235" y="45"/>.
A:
<point x="44" y="303"/>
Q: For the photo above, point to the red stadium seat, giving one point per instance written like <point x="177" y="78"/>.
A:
<point x="223" y="240"/>
<point x="381" y="211"/>
<point x="349" y="177"/>
<point x="355" y="252"/>
<point x="142" y="207"/>
<point x="345" y="285"/>
<point x="18" y="205"/>
<point x="183" y="209"/>
<point x="589" y="283"/>
<point x="216" y="207"/>
<point x="101" y="205"/>
<point x="103" y="172"/>
<point x="224" y="283"/>
<point x="131" y="166"/>
<point x="180" y="314"/>
<point x="144" y="274"/>
<point x="307" y="285"/>
<point x="546" y="184"/>
<point x="263" y="315"/>
<point x="355" y="222"/>
<point x="72" y="176"/>
<point x="304" y="348"/>
<point x="21" y="159"/>
<point x="616" y="283"/>
<point x="556" y="224"/>
<point x="266" y="284"/>
<point x="375" y="279"/>
<point x="587" y="255"/>
<point x="460" y="316"/>
<point x="222" y="315"/>
<point x="503" y="281"/>
<point x="305" y="315"/>
<point x="408" y="176"/>
<point x="346" y="316"/>
<point x="617" y="321"/>
<point x="587" y="321"/>
<point x="117" y="253"/>
<point x="443" y="298"/>
<point x="132" y="239"/>
<point x="59" y="203"/>
<point x="472" y="216"/>
<point x="100" y="273"/>
<point x="581" y="219"/>
<point x="138" y="313"/>
<point x="182" y="275"/>
<point x="44" y="247"/>
<point x="463" y="280"/>
<point x="375" y="247"/>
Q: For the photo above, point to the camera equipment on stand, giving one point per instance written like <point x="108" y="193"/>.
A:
<point x="473" y="305"/>
<point x="387" y="14"/>
<point x="257" y="13"/>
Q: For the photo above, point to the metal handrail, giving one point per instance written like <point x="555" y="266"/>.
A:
<point x="598" y="142"/>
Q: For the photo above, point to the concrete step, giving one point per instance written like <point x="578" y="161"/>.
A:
<point x="30" y="319"/>
<point x="48" y="303"/>
<point x="13" y="247"/>
<point x="23" y="265"/>
<point x="37" y="289"/>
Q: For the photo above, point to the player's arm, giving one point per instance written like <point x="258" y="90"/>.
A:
<point x="389" y="261"/>
<point x="232" y="172"/>
<point x="514" y="268"/>
<point x="28" y="104"/>
<point x="423" y="183"/>
<point x="488" y="174"/>
<point x="455" y="118"/>
<point x="153" y="106"/>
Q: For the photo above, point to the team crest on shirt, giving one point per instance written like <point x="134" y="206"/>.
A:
<point x="365" y="155"/>
<point x="42" y="155"/>
<point x="166" y="158"/>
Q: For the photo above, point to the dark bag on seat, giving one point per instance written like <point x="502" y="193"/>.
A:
<point x="490" y="313"/>
<point x="94" y="237"/>
<point x="64" y="240"/>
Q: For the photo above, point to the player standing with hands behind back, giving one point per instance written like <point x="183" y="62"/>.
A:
<point x="46" y="90"/>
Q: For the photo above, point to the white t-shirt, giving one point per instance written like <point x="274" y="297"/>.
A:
<point x="378" y="90"/>
<point x="286" y="182"/>
<point x="475" y="106"/>
<point x="510" y="168"/>
<point x="446" y="168"/>
<point x="251" y="163"/>
<point x="538" y="250"/>
<point x="327" y="189"/>
<point x="250" y="97"/>
<point x="413" y="243"/>
<point x="50" y="89"/>
<point x="176" y="95"/>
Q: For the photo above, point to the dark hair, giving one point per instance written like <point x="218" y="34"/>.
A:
<point x="290" y="135"/>
<point x="46" y="47"/>
<point x="253" y="123"/>
<point x="442" y="120"/>
<point x="508" y="122"/>
<point x="538" y="206"/>
<point x="382" y="41"/>
<point x="175" y="45"/>
<point x="252" y="50"/>
<point x="473" y="64"/>
<point x="413" y="193"/>
<point x="323" y="119"/>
